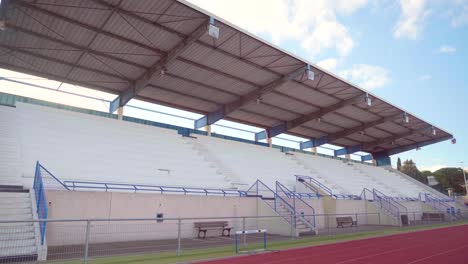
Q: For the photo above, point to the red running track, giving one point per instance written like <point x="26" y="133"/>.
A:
<point x="444" y="245"/>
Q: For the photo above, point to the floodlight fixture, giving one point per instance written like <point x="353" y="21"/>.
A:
<point x="310" y="73"/>
<point x="406" y="118"/>
<point x="213" y="30"/>
<point x="368" y="100"/>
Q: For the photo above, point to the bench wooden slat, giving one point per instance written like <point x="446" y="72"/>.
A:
<point x="204" y="226"/>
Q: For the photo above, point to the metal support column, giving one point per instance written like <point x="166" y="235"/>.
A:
<point x="86" y="249"/>
<point x="179" y="235"/>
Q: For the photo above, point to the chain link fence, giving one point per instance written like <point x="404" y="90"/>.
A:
<point x="84" y="241"/>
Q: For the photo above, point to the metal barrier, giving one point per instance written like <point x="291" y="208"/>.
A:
<point x="107" y="186"/>
<point x="303" y="179"/>
<point x="298" y="204"/>
<point x="71" y="185"/>
<point x="393" y="207"/>
<point x="41" y="200"/>
<point x="133" y="239"/>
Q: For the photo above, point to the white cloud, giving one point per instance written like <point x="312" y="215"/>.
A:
<point x="425" y="77"/>
<point x="328" y="64"/>
<point x="367" y="76"/>
<point x="447" y="49"/>
<point x="314" y="24"/>
<point x="433" y="167"/>
<point x="412" y="19"/>
<point x="459" y="15"/>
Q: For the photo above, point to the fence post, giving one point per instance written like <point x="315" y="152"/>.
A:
<point x="244" y="237"/>
<point x="292" y="228"/>
<point x="380" y="222"/>
<point x="179" y="228"/>
<point x="88" y="225"/>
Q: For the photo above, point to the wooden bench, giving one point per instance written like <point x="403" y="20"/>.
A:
<point x="205" y="226"/>
<point x="433" y="217"/>
<point x="341" y="221"/>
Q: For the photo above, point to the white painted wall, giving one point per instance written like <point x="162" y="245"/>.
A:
<point x="105" y="205"/>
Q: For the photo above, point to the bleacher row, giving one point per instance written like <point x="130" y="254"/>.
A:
<point x="87" y="147"/>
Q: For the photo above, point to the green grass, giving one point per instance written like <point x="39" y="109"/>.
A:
<point x="227" y="251"/>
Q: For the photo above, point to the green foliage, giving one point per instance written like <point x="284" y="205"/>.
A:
<point x="409" y="168"/>
<point x="451" y="178"/>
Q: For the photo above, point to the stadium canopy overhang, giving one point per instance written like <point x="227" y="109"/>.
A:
<point x="173" y="53"/>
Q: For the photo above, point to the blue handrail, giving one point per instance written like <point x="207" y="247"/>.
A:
<point x="73" y="185"/>
<point x="302" y="178"/>
<point x="280" y="188"/>
<point x="390" y="205"/>
<point x="41" y="200"/>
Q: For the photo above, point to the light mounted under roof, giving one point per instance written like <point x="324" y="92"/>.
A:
<point x="310" y="73"/>
<point x="213" y="30"/>
<point x="406" y="118"/>
<point x="433" y="131"/>
<point x="368" y="100"/>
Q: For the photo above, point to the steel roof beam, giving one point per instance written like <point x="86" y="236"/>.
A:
<point x="50" y="59"/>
<point x="159" y="67"/>
<point x="347" y="132"/>
<point x="372" y="145"/>
<point x="226" y="109"/>
<point x="86" y="26"/>
<point x="285" y="126"/>
<point x="74" y="46"/>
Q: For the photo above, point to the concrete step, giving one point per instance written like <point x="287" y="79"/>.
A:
<point x="27" y="216"/>
<point x="11" y="229"/>
<point x="13" y="211"/>
<point x="307" y="233"/>
<point x="15" y="224"/>
<point x="17" y="236"/>
<point x="12" y="244"/>
<point x="22" y="204"/>
<point x="5" y="195"/>
<point x="18" y="251"/>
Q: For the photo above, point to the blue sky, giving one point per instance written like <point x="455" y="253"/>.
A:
<point x="411" y="53"/>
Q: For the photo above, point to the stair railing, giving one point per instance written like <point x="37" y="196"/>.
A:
<point x="394" y="207"/>
<point x="297" y="203"/>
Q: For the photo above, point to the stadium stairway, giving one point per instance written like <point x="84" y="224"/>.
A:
<point x="214" y="162"/>
<point x="301" y="226"/>
<point x="18" y="241"/>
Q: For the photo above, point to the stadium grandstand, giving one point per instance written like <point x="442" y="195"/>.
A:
<point x="267" y="141"/>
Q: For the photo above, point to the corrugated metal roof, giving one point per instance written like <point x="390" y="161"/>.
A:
<point x="109" y="45"/>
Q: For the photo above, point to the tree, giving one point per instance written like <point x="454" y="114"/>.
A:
<point x="398" y="164"/>
<point x="451" y="178"/>
<point x="409" y="168"/>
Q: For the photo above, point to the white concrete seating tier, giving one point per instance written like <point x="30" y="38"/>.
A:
<point x="251" y="162"/>
<point x="83" y="147"/>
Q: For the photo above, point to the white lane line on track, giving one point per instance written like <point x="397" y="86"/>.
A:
<point x="438" y="254"/>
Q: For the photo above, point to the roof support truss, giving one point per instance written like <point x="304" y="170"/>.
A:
<point x="158" y="68"/>
<point x="329" y="138"/>
<point x="371" y="145"/>
<point x="287" y="125"/>
<point x="226" y="109"/>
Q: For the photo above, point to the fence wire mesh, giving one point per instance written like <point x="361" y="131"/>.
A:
<point x="88" y="241"/>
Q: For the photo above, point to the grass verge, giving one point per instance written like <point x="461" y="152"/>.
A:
<point x="228" y="251"/>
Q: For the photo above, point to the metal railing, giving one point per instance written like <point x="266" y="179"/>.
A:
<point x="72" y="185"/>
<point x="300" y="207"/>
<point x="392" y="206"/>
<point x="108" y="186"/>
<point x="267" y="194"/>
<point x="131" y="239"/>
<point x="303" y="179"/>
<point x="40" y="198"/>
